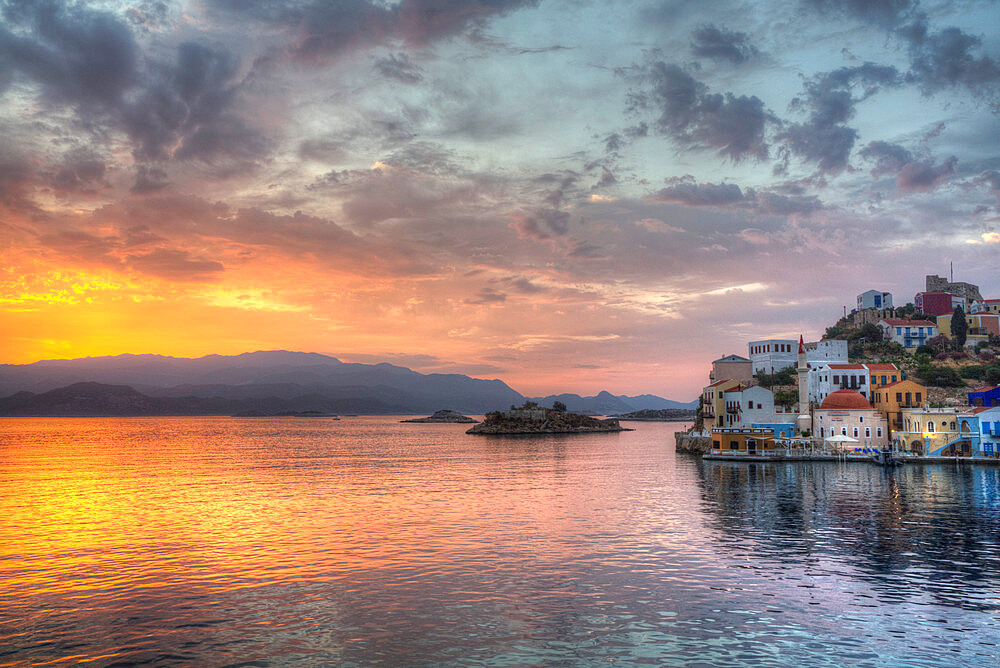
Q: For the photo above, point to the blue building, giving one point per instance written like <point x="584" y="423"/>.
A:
<point x="781" y="429"/>
<point x="985" y="398"/>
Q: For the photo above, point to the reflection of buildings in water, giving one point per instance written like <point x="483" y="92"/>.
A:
<point x="910" y="531"/>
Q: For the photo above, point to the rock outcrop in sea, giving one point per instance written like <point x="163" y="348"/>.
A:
<point x="542" y="421"/>
<point x="444" y="416"/>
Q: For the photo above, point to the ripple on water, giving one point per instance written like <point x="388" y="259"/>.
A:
<point x="252" y="542"/>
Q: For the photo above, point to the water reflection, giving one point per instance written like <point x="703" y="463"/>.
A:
<point x="366" y="541"/>
<point x="911" y="532"/>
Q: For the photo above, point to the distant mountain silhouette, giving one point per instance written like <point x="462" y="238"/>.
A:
<point x="269" y="381"/>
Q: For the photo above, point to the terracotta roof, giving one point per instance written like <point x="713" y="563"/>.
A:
<point x="907" y="380"/>
<point x="894" y="322"/>
<point x="881" y="367"/>
<point x="720" y="382"/>
<point x="979" y="409"/>
<point x="845" y="399"/>
<point x="984" y="389"/>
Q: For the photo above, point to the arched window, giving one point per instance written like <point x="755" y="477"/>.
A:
<point x="843" y="431"/>
<point x="930" y="426"/>
<point x="822" y="432"/>
<point x="868" y="432"/>
<point x="878" y="432"/>
<point x="855" y="432"/>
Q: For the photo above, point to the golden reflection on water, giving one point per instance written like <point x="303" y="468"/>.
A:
<point x="215" y="540"/>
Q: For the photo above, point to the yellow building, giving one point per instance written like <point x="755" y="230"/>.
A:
<point x="981" y="325"/>
<point x="882" y="374"/>
<point x="713" y="401"/>
<point x="927" y="430"/>
<point x="742" y="441"/>
<point x="893" y="398"/>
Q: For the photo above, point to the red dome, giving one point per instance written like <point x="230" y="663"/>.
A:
<point x="846" y="400"/>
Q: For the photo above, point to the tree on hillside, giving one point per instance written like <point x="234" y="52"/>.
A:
<point x="959" y="328"/>
<point x="871" y="333"/>
<point x="559" y="406"/>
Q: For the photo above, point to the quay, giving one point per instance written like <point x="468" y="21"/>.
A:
<point x="848" y="457"/>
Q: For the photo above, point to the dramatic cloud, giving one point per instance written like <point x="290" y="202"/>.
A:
<point x="824" y="138"/>
<point x="733" y="125"/>
<point x="687" y="191"/>
<point x="719" y="44"/>
<point x="700" y="194"/>
<point x="398" y="66"/>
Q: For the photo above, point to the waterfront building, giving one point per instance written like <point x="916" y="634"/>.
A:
<point x="732" y="367"/>
<point x="988" y="396"/>
<point x="749" y="405"/>
<point x="713" y="402"/>
<point x="980" y="327"/>
<point x="908" y="333"/>
<point x="742" y="441"/>
<point x="987" y="419"/>
<point x="862" y="378"/>
<point x="929" y="431"/>
<point x="781" y="429"/>
<point x="773" y="355"/>
<point x="848" y="413"/>
<point x="937" y="303"/>
<point x="892" y="398"/>
<point x="874" y="299"/>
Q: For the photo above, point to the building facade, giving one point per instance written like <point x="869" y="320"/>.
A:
<point x="772" y="355"/>
<point x="980" y="327"/>
<point x="753" y="405"/>
<point x="742" y="441"/>
<point x="928" y="431"/>
<point x="848" y="413"/>
<point x="826" y="379"/>
<point x="967" y="291"/>
<point x="874" y="299"/>
<point x="893" y="398"/>
<point x="713" y="402"/>
<point x="986" y="397"/>
<point x="732" y="367"/>
<point x="937" y="303"/>
<point x="985" y="306"/>
<point x="908" y="333"/>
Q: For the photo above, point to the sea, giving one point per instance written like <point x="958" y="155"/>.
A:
<point x="367" y="541"/>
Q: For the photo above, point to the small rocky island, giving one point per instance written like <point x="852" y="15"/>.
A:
<point x="444" y="416"/>
<point x="530" y="419"/>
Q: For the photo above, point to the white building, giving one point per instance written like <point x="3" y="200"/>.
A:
<point x="826" y="379"/>
<point x="833" y="351"/>
<point x="908" y="333"/>
<point x="754" y="405"/>
<point x="874" y="299"/>
<point x="773" y="355"/>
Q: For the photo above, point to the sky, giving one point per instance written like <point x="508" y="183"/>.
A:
<point x="569" y="195"/>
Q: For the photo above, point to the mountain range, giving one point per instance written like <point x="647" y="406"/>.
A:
<point x="271" y="381"/>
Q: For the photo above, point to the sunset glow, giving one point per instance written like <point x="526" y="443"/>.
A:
<point x="571" y="198"/>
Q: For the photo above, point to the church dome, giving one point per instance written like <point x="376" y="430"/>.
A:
<point x="846" y="400"/>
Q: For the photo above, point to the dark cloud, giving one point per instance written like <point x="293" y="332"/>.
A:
<point x="720" y="44"/>
<point x="149" y="179"/>
<point x="925" y="176"/>
<point x="991" y="179"/>
<point x="539" y="224"/>
<point x="322" y="30"/>
<point x="689" y="192"/>
<point x="79" y="172"/>
<point x="885" y="13"/>
<point x="488" y="296"/>
<point x="829" y="98"/>
<point x="733" y="126"/>
<point x="943" y="59"/>
<point x="89" y="60"/>
<point x="175" y="265"/>
<point x="398" y="66"/>
<point x="686" y="190"/>
<point x="17" y="176"/>
<point x="889" y="158"/>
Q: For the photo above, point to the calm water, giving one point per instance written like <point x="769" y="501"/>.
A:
<point x="365" y="541"/>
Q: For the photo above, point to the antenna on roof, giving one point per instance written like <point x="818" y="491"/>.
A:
<point x="952" y="272"/>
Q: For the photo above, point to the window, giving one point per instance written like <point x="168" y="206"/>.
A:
<point x="878" y="432"/>
<point x="843" y="431"/>
<point x="917" y="397"/>
<point x="930" y="427"/>
<point x="716" y="444"/>
<point x="734" y="445"/>
<point x="882" y="382"/>
<point x="893" y="380"/>
<point x="836" y="380"/>
<point x="951" y="426"/>
<point x="868" y="432"/>
<point x="899" y="330"/>
<point x="855" y="432"/>
<point x="822" y="432"/>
